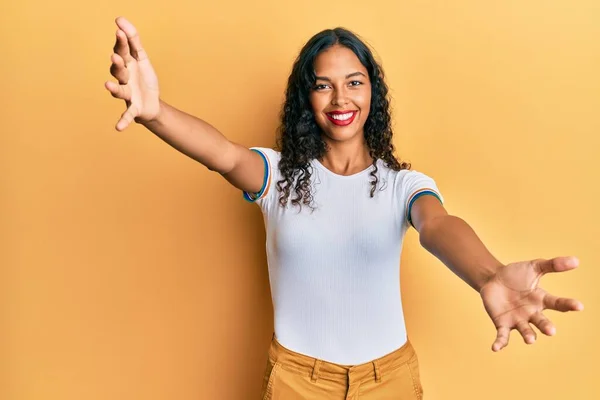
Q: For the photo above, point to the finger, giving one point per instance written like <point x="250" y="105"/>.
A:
<point x="558" y="264"/>
<point x="502" y="336"/>
<point x="122" y="46"/>
<point x="126" y="119"/>
<point x="133" y="38"/>
<point x="525" y="330"/>
<point x="118" y="69"/>
<point x="562" y="304"/>
<point x="119" y="91"/>
<point x="543" y="324"/>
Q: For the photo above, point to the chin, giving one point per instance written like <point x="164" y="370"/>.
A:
<point x="341" y="136"/>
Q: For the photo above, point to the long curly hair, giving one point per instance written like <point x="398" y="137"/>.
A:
<point x="299" y="137"/>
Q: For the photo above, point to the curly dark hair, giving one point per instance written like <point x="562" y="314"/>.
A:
<point x="299" y="137"/>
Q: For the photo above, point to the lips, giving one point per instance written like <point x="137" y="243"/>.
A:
<point x="347" y="115"/>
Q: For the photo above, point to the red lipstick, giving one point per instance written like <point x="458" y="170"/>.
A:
<point x="341" y="122"/>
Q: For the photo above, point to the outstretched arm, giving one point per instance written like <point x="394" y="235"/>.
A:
<point x="510" y="292"/>
<point x="453" y="242"/>
<point x="137" y="85"/>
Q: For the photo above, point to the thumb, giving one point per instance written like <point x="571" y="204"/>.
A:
<point x="557" y="264"/>
<point x="126" y="118"/>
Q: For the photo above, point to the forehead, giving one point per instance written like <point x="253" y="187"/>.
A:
<point x="338" y="61"/>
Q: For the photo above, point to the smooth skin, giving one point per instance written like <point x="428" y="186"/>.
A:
<point x="342" y="84"/>
<point x="137" y="85"/>
<point x="510" y="293"/>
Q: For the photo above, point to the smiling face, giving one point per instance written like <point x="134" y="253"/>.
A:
<point x="341" y="96"/>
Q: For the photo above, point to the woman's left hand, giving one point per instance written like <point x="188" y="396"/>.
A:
<point x="513" y="299"/>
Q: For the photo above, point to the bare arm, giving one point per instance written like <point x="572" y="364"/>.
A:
<point x="202" y="142"/>
<point x="510" y="293"/>
<point x="138" y="86"/>
<point x="453" y="242"/>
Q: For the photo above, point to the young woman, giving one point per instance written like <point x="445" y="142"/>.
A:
<point x="337" y="204"/>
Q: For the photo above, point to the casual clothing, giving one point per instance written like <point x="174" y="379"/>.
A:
<point x="293" y="376"/>
<point x="334" y="272"/>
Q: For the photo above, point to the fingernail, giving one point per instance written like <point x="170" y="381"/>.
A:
<point x="572" y="262"/>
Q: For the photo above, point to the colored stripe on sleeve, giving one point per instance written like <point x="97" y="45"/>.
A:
<point x="415" y="196"/>
<point x="252" y="197"/>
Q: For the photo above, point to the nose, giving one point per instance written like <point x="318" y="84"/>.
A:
<point x="339" y="97"/>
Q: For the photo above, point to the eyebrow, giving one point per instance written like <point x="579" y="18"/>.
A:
<point x="324" y="78"/>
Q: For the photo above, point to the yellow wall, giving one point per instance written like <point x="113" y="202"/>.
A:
<point x="131" y="272"/>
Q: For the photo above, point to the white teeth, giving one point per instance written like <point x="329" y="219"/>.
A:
<point x="341" y="117"/>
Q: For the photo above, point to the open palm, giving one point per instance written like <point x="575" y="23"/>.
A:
<point x="513" y="299"/>
<point x="137" y="81"/>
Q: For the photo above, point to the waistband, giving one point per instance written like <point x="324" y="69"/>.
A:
<point x="320" y="369"/>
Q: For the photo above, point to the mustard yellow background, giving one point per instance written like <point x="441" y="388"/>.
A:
<point x="130" y="271"/>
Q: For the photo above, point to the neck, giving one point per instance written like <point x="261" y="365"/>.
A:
<point x="345" y="158"/>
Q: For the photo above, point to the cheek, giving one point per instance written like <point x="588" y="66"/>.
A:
<point x="318" y="103"/>
<point x="364" y="102"/>
<point x="363" y="99"/>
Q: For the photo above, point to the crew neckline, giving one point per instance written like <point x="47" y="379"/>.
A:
<point x="356" y="174"/>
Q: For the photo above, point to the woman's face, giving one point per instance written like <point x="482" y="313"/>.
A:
<point x="341" y="96"/>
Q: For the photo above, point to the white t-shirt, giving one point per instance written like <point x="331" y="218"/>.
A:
<point x="335" y="272"/>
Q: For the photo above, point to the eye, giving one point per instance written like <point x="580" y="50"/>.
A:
<point x="355" y="83"/>
<point x="319" y="87"/>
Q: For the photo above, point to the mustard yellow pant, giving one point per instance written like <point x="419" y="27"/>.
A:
<point x="293" y="376"/>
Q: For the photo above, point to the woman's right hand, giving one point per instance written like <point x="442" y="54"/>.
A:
<point x="137" y="81"/>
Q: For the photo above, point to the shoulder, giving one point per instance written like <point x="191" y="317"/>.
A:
<point x="270" y="156"/>
<point x="268" y="152"/>
<point x="410" y="183"/>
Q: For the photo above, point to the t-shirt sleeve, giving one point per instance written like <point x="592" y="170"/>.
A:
<point x="270" y="159"/>
<point x="414" y="185"/>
